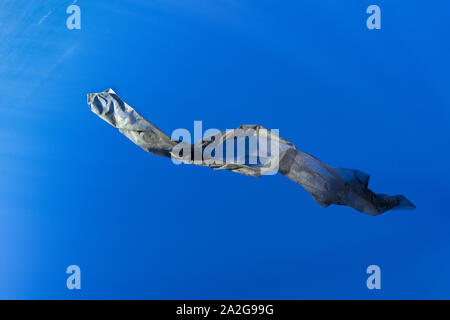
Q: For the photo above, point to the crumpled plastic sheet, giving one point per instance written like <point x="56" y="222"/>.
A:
<point x="326" y="184"/>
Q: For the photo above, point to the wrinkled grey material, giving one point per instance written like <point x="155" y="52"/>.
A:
<point x="327" y="184"/>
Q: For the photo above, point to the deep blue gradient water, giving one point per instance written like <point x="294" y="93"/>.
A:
<point x="73" y="190"/>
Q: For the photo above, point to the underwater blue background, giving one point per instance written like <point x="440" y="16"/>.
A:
<point x="73" y="190"/>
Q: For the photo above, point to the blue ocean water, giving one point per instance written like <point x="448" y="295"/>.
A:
<point x="74" y="191"/>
